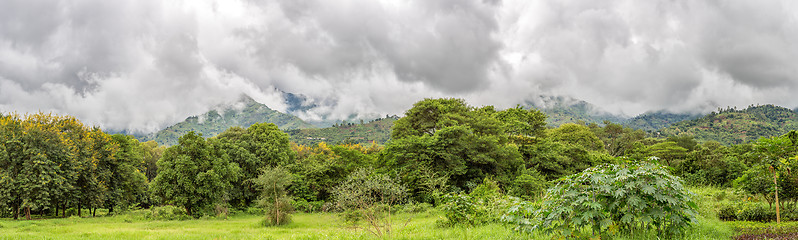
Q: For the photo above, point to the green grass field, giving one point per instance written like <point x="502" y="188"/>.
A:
<point x="304" y="226"/>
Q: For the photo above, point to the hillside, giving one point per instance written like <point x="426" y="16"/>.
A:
<point x="378" y="130"/>
<point x="731" y="126"/>
<point x="653" y="121"/>
<point x="561" y="110"/>
<point x="243" y="113"/>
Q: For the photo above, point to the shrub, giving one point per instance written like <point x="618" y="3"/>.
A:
<point x="611" y="198"/>
<point x="727" y="213"/>
<point x="416" y="207"/>
<point x="273" y="197"/>
<point x="756" y="212"/>
<point x="303" y="205"/>
<point x="484" y="204"/>
<point x="168" y="212"/>
<point x="462" y="209"/>
<point x="372" y="197"/>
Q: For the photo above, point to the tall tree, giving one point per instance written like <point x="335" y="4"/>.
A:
<point x="194" y="175"/>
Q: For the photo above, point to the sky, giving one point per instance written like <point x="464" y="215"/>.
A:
<point x="142" y="65"/>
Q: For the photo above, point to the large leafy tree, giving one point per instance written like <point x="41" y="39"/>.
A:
<point x="126" y="183"/>
<point x="259" y="146"/>
<point x="194" y="175"/>
<point x="446" y="137"/>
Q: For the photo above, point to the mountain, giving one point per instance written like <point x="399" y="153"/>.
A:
<point x="243" y="113"/>
<point x="561" y="110"/>
<point x="732" y="126"/>
<point x="378" y="130"/>
<point x="653" y="121"/>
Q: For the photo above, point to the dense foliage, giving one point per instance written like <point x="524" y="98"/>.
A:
<point x="732" y="126"/>
<point x="50" y="163"/>
<point x="468" y="162"/>
<point x="611" y="198"/>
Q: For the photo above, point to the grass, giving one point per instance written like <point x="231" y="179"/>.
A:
<point x="304" y="226"/>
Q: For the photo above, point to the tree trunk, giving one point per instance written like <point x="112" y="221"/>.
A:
<point x="27" y="212"/>
<point x="276" y="206"/>
<point x="63" y="210"/>
<point x="778" y="212"/>
<point x="93" y="211"/>
<point x="79" y="207"/>
<point x="16" y="213"/>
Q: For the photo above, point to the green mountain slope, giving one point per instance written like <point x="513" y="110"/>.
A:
<point x="731" y="126"/>
<point x="562" y="110"/>
<point x="378" y="130"/>
<point x="653" y="121"/>
<point x="244" y="113"/>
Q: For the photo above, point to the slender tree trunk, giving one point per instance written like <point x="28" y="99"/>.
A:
<point x="63" y="210"/>
<point x="276" y="207"/>
<point x="16" y="213"/>
<point x="27" y="212"/>
<point x="93" y="211"/>
<point x="778" y="212"/>
<point x="79" y="207"/>
<point x="56" y="209"/>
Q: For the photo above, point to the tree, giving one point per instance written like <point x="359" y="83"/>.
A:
<point x="126" y="183"/>
<point x="446" y="137"/>
<point x="151" y="152"/>
<point x="274" y="197"/>
<point x="261" y="145"/>
<point x="194" y="175"/>
<point x="520" y="122"/>
<point x="668" y="151"/>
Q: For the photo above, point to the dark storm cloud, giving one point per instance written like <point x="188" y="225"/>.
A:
<point x="142" y="65"/>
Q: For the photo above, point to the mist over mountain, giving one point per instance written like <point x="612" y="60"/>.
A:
<point x="242" y="113"/>
<point x="140" y="66"/>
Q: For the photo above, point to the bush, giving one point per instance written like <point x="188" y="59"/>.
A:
<point x="608" y="199"/>
<point x="462" y="209"/>
<point x="416" y="207"/>
<point x="484" y="204"/>
<point x="756" y="212"/>
<point x="727" y="213"/>
<point x="168" y="212"/>
<point x="303" y="205"/>
<point x="372" y="196"/>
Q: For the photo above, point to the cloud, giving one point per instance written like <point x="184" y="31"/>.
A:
<point x="143" y="65"/>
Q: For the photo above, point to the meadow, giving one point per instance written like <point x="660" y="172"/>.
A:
<point x="303" y="226"/>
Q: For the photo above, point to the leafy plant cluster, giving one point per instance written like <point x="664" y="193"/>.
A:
<point x="608" y="199"/>
<point x="485" y="204"/>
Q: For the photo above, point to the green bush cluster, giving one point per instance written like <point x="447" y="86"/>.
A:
<point x="747" y="211"/>
<point x="306" y="206"/>
<point x="485" y="204"/>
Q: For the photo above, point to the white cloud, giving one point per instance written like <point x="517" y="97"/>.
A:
<point x="142" y="65"/>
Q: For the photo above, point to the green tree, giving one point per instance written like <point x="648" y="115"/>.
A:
<point x="194" y="175"/>
<point x="446" y="137"/>
<point x="261" y="145"/>
<point x="274" y="197"/>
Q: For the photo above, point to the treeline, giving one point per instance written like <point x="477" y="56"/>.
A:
<point x="440" y="146"/>
<point x="50" y="163"/>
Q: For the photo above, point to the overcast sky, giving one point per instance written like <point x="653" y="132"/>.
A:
<point x="146" y="64"/>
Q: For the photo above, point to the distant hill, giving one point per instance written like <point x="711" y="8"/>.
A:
<point x="243" y="113"/>
<point x="378" y="130"/>
<point x="653" y="121"/>
<point x="731" y="126"/>
<point x="562" y="110"/>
